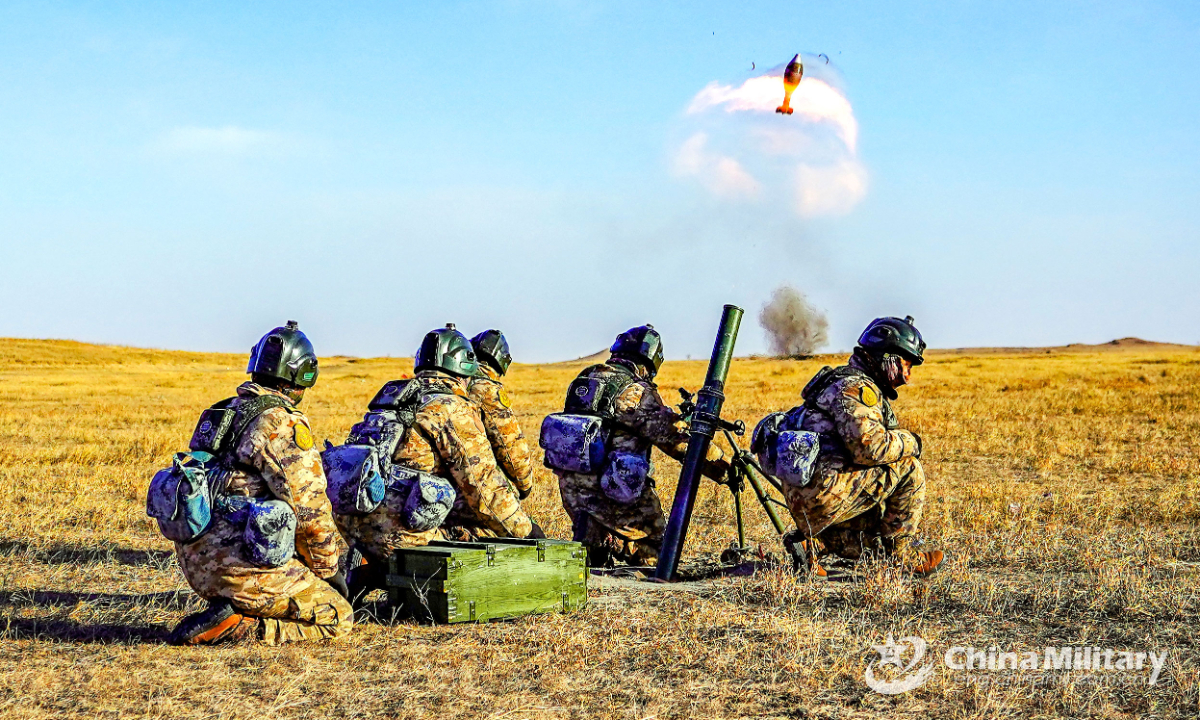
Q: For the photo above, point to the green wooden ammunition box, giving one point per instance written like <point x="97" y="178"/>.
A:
<point x="452" y="582"/>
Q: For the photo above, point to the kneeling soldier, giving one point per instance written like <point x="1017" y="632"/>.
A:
<point x="486" y="389"/>
<point x="867" y="488"/>
<point x="270" y="458"/>
<point x="445" y="438"/>
<point x="613" y="507"/>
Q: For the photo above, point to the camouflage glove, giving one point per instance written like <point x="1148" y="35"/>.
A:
<point x="536" y="533"/>
<point x="338" y="582"/>
<point x="523" y="493"/>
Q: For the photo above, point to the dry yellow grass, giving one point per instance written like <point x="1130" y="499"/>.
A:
<point x="1065" y="484"/>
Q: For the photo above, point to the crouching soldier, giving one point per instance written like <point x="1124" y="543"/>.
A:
<point x="266" y="585"/>
<point x="866" y="488"/>
<point x="599" y="447"/>
<point x="486" y="389"/>
<point x="443" y="440"/>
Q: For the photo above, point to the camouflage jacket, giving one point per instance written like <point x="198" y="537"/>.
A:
<point x="854" y="417"/>
<point x="448" y="439"/>
<point x="503" y="431"/>
<point x="275" y="457"/>
<point x="641" y="419"/>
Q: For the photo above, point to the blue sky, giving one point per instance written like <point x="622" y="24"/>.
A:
<point x="189" y="175"/>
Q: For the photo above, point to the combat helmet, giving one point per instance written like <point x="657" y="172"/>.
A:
<point x="896" y="336"/>
<point x="642" y="345"/>
<point x="285" y="354"/>
<point x="449" y="350"/>
<point x="491" y="347"/>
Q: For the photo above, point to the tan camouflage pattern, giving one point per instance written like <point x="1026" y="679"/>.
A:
<point x="641" y="420"/>
<point x="447" y="439"/>
<point x="867" y="482"/>
<point x="503" y="431"/>
<point x="318" y="612"/>
<point x="213" y="565"/>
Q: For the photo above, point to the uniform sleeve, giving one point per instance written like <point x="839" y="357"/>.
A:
<point x="459" y="436"/>
<point x="641" y="409"/>
<point x="279" y="445"/>
<point x="858" y="415"/>
<point x="504" y="433"/>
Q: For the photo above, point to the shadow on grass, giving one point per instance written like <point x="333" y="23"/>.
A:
<point x="44" y="598"/>
<point x="72" y="554"/>
<point x="66" y="630"/>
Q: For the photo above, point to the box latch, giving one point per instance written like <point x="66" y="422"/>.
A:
<point x="491" y="553"/>
<point x="541" y="546"/>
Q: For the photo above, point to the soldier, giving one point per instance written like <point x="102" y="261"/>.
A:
<point x="272" y="458"/>
<point x="503" y="430"/>
<point x="447" y="439"/>
<point x="624" y="521"/>
<point x="867" y="489"/>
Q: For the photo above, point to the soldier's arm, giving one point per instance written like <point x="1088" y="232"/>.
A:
<point x="279" y="444"/>
<point x="858" y="414"/>
<point x="504" y="432"/>
<point x="462" y="442"/>
<point x="641" y="409"/>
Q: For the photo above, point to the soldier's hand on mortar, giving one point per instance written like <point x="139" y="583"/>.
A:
<point x="338" y="582"/>
<point x="720" y="468"/>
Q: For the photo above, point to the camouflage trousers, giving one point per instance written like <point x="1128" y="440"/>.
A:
<point x="314" y="613"/>
<point x="852" y="508"/>
<point x="630" y="533"/>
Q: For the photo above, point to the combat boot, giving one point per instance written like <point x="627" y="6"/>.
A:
<point x="804" y="553"/>
<point x="218" y="623"/>
<point x="918" y="562"/>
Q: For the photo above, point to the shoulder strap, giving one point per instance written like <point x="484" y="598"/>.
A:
<point x="826" y="377"/>
<point x="248" y="412"/>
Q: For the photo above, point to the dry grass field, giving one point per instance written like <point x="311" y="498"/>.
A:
<point x="1064" y="483"/>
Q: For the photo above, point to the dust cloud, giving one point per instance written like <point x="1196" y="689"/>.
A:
<point x="794" y="326"/>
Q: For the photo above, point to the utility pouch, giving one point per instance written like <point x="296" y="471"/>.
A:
<point x="795" y="453"/>
<point x="383" y="429"/>
<point x="426" y="499"/>
<point x="268" y="528"/>
<point x="624" y="478"/>
<point x="353" y="480"/>
<point x="180" y="499"/>
<point x="573" y="443"/>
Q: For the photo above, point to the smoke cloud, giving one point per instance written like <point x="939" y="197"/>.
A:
<point x="738" y="149"/>
<point x="793" y="325"/>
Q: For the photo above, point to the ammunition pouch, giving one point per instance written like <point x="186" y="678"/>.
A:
<point x="573" y="443"/>
<point x="269" y="528"/>
<point x="220" y="427"/>
<point x="784" y="449"/>
<point x="424" y="501"/>
<point x="595" y="392"/>
<point x="353" y="480"/>
<point x="180" y="498"/>
<point x="625" y="476"/>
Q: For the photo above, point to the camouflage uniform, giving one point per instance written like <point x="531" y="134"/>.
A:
<point x="447" y="439"/>
<point x="867" y="484"/>
<point x="275" y="458"/>
<point x="503" y="430"/>
<point x="632" y="532"/>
